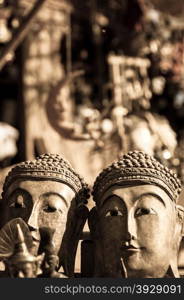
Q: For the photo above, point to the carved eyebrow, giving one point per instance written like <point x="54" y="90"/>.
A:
<point x="56" y="194"/>
<point x="139" y="198"/>
<point x="21" y="190"/>
<point x="109" y="197"/>
<point x="153" y="195"/>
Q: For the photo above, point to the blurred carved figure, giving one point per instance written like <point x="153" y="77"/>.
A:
<point x="22" y="264"/>
<point x="47" y="193"/>
<point x="8" y="138"/>
<point x="152" y="134"/>
<point x="136" y="224"/>
<point x="50" y="262"/>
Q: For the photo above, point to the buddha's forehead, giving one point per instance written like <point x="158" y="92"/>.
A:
<point x="133" y="193"/>
<point x="38" y="187"/>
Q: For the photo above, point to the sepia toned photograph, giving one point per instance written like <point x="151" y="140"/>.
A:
<point x="92" y="141"/>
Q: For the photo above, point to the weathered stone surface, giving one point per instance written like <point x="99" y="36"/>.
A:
<point x="48" y="193"/>
<point x="136" y="225"/>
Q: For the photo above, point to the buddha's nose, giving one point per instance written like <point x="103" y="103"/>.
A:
<point x="129" y="236"/>
<point x="33" y="224"/>
<point x="129" y="239"/>
<point x="130" y="230"/>
<point x="33" y="227"/>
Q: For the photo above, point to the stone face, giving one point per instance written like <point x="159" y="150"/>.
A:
<point x="46" y="197"/>
<point x="41" y="204"/>
<point x="136" y="226"/>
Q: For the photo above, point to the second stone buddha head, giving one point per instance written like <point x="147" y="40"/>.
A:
<point x="136" y="224"/>
<point x="48" y="193"/>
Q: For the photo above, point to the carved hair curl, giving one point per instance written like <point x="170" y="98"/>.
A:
<point x="51" y="167"/>
<point x="137" y="167"/>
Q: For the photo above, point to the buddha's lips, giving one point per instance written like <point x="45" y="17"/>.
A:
<point x="131" y="248"/>
<point x="36" y="240"/>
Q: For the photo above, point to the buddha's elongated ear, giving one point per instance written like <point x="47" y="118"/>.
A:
<point x="76" y="220"/>
<point x="1" y="213"/>
<point x="172" y="271"/>
<point x="180" y="211"/>
<point x="93" y="223"/>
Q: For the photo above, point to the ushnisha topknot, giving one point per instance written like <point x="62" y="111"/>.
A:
<point x="50" y="167"/>
<point x="137" y="167"/>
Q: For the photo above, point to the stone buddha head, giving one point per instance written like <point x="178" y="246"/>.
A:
<point x="48" y="193"/>
<point x="136" y="224"/>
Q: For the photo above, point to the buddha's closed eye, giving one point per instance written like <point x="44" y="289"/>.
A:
<point x="52" y="205"/>
<point x="49" y="209"/>
<point x="141" y="211"/>
<point x="113" y="213"/>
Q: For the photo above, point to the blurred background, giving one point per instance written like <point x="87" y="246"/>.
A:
<point x="91" y="80"/>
